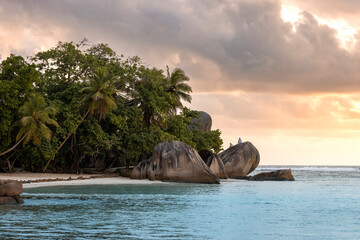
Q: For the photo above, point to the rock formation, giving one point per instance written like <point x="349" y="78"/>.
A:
<point x="10" y="191"/>
<point x="240" y="159"/>
<point x="174" y="161"/>
<point x="279" y="175"/>
<point x="214" y="163"/>
<point x="203" y="122"/>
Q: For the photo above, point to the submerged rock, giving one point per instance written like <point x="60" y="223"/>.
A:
<point x="240" y="159"/>
<point x="8" y="201"/>
<point x="174" y="161"/>
<point x="279" y="175"/>
<point x="203" y="122"/>
<point x="214" y="163"/>
<point x="10" y="191"/>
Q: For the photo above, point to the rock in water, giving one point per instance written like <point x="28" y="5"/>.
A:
<point x="174" y="161"/>
<point x="279" y="175"/>
<point x="8" y="201"/>
<point x="10" y="188"/>
<point x="2" y="190"/>
<point x="214" y="163"/>
<point x="203" y="122"/>
<point x="10" y="191"/>
<point x="240" y="159"/>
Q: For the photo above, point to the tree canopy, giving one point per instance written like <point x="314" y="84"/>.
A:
<point x="110" y="110"/>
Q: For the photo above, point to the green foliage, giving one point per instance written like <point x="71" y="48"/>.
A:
<point x="150" y="96"/>
<point x="65" y="62"/>
<point x="33" y="157"/>
<point x="35" y="116"/>
<point x="17" y="81"/>
<point x="100" y="93"/>
<point x="178" y="88"/>
<point x="93" y="140"/>
<point x="179" y="126"/>
<point x="136" y="107"/>
<point x="33" y="124"/>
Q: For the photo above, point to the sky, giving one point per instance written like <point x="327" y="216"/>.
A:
<point x="282" y="74"/>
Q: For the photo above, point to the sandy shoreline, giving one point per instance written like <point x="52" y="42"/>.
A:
<point x="32" y="180"/>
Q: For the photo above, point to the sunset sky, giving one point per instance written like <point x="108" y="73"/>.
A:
<point x="284" y="75"/>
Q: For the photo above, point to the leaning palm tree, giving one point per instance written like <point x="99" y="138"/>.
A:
<point x="35" y="116"/>
<point x="99" y="99"/>
<point x="178" y="88"/>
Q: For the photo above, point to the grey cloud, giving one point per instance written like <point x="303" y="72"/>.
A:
<point x="246" y="42"/>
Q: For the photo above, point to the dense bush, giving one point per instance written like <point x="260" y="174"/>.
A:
<point x="101" y="110"/>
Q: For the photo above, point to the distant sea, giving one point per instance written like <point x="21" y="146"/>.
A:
<point x="323" y="203"/>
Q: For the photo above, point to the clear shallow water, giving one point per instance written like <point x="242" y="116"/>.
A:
<point x="323" y="203"/>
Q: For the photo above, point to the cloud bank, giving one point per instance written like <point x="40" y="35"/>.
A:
<point x="249" y="69"/>
<point x="223" y="45"/>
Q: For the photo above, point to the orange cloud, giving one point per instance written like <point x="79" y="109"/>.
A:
<point x="306" y="128"/>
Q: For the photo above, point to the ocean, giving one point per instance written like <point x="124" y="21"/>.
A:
<point x="323" y="203"/>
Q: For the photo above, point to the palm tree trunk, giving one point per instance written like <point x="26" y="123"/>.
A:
<point x="13" y="147"/>
<point x="71" y="133"/>
<point x="11" y="165"/>
<point x="67" y="137"/>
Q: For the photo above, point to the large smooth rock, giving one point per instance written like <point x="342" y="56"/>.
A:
<point x="174" y="161"/>
<point x="279" y="175"/>
<point x="13" y="188"/>
<point x="214" y="163"/>
<point x="203" y="122"/>
<point x="10" y="191"/>
<point x="2" y="189"/>
<point x="10" y="188"/>
<point x="240" y="159"/>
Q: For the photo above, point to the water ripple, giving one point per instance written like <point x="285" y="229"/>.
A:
<point x="319" y="205"/>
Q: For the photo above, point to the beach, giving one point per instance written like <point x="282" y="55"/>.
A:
<point x="32" y="180"/>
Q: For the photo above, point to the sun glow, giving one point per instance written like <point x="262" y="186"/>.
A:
<point x="290" y="14"/>
<point x="356" y="107"/>
<point x="345" y="33"/>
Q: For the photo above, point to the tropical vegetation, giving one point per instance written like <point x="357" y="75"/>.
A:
<point x="79" y="106"/>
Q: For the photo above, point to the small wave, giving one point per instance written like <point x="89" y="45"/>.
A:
<point x="312" y="168"/>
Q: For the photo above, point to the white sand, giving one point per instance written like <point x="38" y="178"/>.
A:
<point x="94" y="181"/>
<point x="99" y="180"/>
<point x="37" y="176"/>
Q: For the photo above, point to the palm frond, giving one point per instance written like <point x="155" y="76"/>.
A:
<point x="110" y="103"/>
<point x="27" y="120"/>
<point x="185" y="97"/>
<point x="36" y="139"/>
<point x="101" y="90"/>
<point x="45" y="131"/>
<point x="97" y="96"/>
<point x="21" y="133"/>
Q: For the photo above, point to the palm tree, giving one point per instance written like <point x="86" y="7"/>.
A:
<point x="100" y="93"/>
<point x="99" y="99"/>
<point x="35" y="116"/>
<point x="149" y="95"/>
<point x="178" y="88"/>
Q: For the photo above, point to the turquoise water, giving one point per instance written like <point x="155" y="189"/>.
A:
<point x="323" y="203"/>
